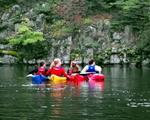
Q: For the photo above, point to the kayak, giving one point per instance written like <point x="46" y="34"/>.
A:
<point x="57" y="79"/>
<point x="96" y="77"/>
<point x="38" y="79"/>
<point x="76" y="77"/>
<point x="87" y="76"/>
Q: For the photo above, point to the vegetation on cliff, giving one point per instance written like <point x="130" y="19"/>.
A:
<point x="76" y="18"/>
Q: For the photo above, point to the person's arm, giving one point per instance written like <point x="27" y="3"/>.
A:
<point x="48" y="72"/>
<point x="98" y="68"/>
<point x="64" y="73"/>
<point x="69" y="72"/>
<point x="84" y="69"/>
<point x="79" y="69"/>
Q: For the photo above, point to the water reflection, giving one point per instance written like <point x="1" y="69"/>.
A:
<point x="94" y="85"/>
<point x="124" y="95"/>
<point x="72" y="88"/>
<point x="57" y="90"/>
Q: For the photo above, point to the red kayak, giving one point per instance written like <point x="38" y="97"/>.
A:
<point x="95" y="77"/>
<point x="77" y="77"/>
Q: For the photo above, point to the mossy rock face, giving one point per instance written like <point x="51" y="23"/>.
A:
<point x="8" y="57"/>
<point x="9" y="52"/>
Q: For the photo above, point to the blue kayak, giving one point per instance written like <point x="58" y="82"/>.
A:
<point x="38" y="79"/>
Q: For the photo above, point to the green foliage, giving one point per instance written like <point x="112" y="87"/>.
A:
<point x="44" y="8"/>
<point x="75" y="53"/>
<point x="29" y="43"/>
<point x="87" y="21"/>
<point x="134" y="55"/>
<point x="133" y="12"/>
<point x="144" y="41"/>
<point x="130" y="4"/>
<point x="2" y="27"/>
<point x="35" y="51"/>
<point x="5" y="3"/>
<point x="9" y="52"/>
<point x="49" y="9"/>
<point x="71" y="17"/>
<point x="25" y="36"/>
<point x="72" y="11"/>
<point x="60" y="30"/>
<point x="102" y="55"/>
<point x="98" y="6"/>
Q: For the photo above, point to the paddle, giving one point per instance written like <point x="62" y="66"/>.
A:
<point x="87" y="73"/>
<point x="29" y="75"/>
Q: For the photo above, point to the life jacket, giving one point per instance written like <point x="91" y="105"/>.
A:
<point x="41" y="70"/>
<point x="73" y="70"/>
<point x="59" y="71"/>
<point x="91" y="68"/>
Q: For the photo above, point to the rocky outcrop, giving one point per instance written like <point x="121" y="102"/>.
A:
<point x="93" y="39"/>
<point x="8" y="59"/>
<point x="6" y="55"/>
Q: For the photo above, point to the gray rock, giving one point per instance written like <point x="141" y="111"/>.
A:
<point x="16" y="8"/>
<point x="40" y="22"/>
<point x="146" y="62"/>
<point x="117" y="36"/>
<point x="5" y="47"/>
<point x="8" y="59"/>
<point x="114" y="59"/>
<point x="5" y="16"/>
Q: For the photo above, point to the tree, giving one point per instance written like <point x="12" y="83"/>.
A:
<point x="26" y="41"/>
<point x="136" y="13"/>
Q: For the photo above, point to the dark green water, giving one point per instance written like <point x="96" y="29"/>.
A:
<point x="125" y="95"/>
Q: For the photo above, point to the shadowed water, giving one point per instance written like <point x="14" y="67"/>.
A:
<point x="125" y="95"/>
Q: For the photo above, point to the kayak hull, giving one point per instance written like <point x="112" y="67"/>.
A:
<point x="57" y="79"/>
<point x="77" y="77"/>
<point x="96" y="77"/>
<point x="38" y="79"/>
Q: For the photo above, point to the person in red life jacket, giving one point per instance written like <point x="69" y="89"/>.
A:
<point x="42" y="69"/>
<point x="74" y="71"/>
<point x="91" y="67"/>
<point x="57" y="69"/>
<point x="74" y="68"/>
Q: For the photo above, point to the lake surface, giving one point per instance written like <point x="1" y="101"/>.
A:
<point x="125" y="95"/>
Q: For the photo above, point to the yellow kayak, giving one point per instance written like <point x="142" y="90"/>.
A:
<point x="57" y="79"/>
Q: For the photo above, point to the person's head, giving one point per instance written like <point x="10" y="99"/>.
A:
<point x="36" y="64"/>
<point x="57" y="62"/>
<point x="42" y="64"/>
<point x="73" y="63"/>
<point x="91" y="62"/>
